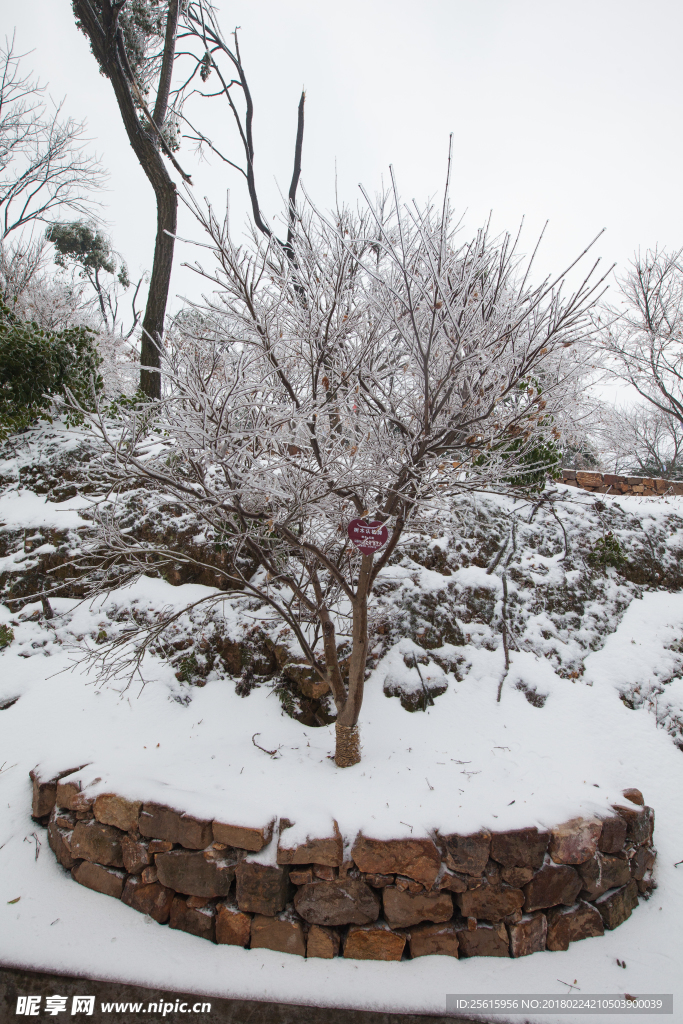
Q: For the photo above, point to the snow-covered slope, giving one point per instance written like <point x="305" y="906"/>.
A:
<point x="591" y="705"/>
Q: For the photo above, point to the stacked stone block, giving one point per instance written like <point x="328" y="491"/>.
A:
<point x="504" y="894"/>
<point x="609" y="483"/>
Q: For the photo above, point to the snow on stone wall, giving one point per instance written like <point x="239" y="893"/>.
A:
<point x="503" y="894"/>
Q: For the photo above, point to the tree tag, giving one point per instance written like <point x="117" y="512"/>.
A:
<point x="367" y="537"/>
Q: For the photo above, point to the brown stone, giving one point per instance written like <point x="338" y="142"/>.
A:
<point x="584" y="479"/>
<point x="550" y="886"/>
<point x="44" y="794"/>
<point x="417" y="858"/>
<point x="485" y="940"/>
<point x="243" y="838"/>
<point x="378" y="881"/>
<point x="322" y="942"/>
<point x="43" y="801"/>
<point x="159" y="846"/>
<point x="136" y="854"/>
<point x="100" y="844"/>
<point x="281" y="933"/>
<point x="639" y="823"/>
<point x="528" y="935"/>
<point x="159" y="822"/>
<point x="468" y="854"/>
<point x="261" y="888"/>
<point x="405" y="909"/>
<point x="149" y="874"/>
<point x="329" y="851"/>
<point x="152" y="899"/>
<point x="569" y="924"/>
<point x="613" y="835"/>
<point x="197" y="902"/>
<point x="342" y="901"/>
<point x="454" y="883"/>
<point x="517" y="877"/>
<point x="60" y="844"/>
<point x="490" y="903"/>
<point x="314" y="688"/>
<point x="114" y="810"/>
<point x="196" y="873"/>
<point x="69" y="794"/>
<point x="616" y="905"/>
<point x="521" y="847"/>
<point x="492" y="875"/>
<point x="94" y="876"/>
<point x="433" y="940"/>
<point x="325" y="872"/>
<point x="233" y="928"/>
<point x="642" y="861"/>
<point x="404" y="884"/>
<point x="575" y="841"/>
<point x="602" y="872"/>
<point x="635" y="796"/>
<point x="645" y="884"/>
<point x="200" y="921"/>
<point x="301" y="877"/>
<point x="64" y="819"/>
<point x="373" y="943"/>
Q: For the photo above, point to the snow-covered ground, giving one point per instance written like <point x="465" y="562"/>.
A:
<point x="465" y="763"/>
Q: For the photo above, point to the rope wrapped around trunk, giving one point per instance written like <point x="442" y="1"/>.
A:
<point x="348" y="746"/>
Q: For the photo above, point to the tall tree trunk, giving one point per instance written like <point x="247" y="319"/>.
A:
<point x="157" y="297"/>
<point x="347" y="751"/>
<point x="106" y="39"/>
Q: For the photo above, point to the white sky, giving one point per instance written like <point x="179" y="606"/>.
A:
<point x="563" y="111"/>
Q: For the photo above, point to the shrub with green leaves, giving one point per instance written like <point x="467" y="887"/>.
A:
<point x="6" y="636"/>
<point x="543" y="459"/>
<point x="607" y="553"/>
<point x="38" y="366"/>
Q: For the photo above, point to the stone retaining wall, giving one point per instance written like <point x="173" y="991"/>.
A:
<point x="488" y="894"/>
<point x="608" y="483"/>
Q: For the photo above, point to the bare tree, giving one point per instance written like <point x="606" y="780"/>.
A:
<point x="44" y="168"/>
<point x="641" y="440"/>
<point x="642" y="337"/>
<point x="372" y="373"/>
<point x="216" y="59"/>
<point x="135" y="47"/>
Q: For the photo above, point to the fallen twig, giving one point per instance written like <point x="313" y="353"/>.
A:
<point x="273" y="753"/>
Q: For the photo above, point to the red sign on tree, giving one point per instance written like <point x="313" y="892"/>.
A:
<point x="367" y="537"/>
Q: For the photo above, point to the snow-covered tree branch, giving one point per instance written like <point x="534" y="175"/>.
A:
<point x="643" y="336"/>
<point x="385" y="369"/>
<point x="44" y="168"/>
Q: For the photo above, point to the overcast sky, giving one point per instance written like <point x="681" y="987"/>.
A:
<point x="568" y="112"/>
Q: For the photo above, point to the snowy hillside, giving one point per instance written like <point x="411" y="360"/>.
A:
<point x="592" y="703"/>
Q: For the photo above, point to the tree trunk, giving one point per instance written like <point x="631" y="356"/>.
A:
<point x="155" y="311"/>
<point x="347" y="733"/>
<point x="106" y="40"/>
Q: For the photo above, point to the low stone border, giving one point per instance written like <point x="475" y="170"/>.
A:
<point x="488" y="894"/>
<point x="608" y="483"/>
